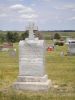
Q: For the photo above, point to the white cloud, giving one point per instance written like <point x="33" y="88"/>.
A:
<point x="22" y="9"/>
<point x="3" y="15"/>
<point x="45" y="0"/>
<point x="70" y="6"/>
<point x="26" y="10"/>
<point x="32" y="16"/>
<point x="66" y="7"/>
<point x="33" y="5"/>
<point x="17" y="7"/>
<point x="73" y="9"/>
<point x="72" y="18"/>
<point x="15" y="0"/>
<point x="18" y="12"/>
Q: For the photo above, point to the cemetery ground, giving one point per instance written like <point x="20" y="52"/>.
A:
<point x="60" y="69"/>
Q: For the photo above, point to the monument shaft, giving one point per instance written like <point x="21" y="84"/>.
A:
<point x="31" y="58"/>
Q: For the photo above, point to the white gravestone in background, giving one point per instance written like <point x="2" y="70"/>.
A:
<point x="72" y="48"/>
<point x="31" y="64"/>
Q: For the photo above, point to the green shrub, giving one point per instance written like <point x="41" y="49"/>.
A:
<point x="59" y="43"/>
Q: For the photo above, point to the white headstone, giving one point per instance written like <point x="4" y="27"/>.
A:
<point x="71" y="48"/>
<point x="31" y="58"/>
<point x="31" y="64"/>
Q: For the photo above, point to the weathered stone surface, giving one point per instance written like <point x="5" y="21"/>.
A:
<point x="34" y="86"/>
<point x="31" y="65"/>
<point x="33" y="83"/>
<point x="72" y="48"/>
<point x="32" y="78"/>
<point x="31" y="59"/>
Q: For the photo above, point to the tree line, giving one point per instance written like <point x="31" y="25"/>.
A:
<point x="16" y="37"/>
<point x="13" y="36"/>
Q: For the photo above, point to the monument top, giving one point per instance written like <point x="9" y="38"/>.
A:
<point x="31" y="33"/>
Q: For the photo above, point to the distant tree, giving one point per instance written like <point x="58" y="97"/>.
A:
<point x="57" y="36"/>
<point x="24" y="35"/>
<point x="9" y="37"/>
<point x="2" y="38"/>
<point x="15" y="37"/>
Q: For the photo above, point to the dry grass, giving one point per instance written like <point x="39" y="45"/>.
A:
<point x="61" y="70"/>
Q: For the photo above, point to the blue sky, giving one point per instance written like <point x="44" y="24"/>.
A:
<point x="47" y="14"/>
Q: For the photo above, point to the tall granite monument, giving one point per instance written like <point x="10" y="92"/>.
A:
<point x="32" y="64"/>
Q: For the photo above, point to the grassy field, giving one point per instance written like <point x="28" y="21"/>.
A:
<point x="60" y="69"/>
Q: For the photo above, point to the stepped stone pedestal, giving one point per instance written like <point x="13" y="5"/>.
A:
<point x="32" y="65"/>
<point x="32" y="83"/>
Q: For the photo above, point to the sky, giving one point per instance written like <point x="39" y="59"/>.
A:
<point x="46" y="14"/>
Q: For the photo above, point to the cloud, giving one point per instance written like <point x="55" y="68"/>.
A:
<point x="29" y="16"/>
<point x="15" y="0"/>
<point x="66" y="7"/>
<point x="21" y="8"/>
<point x="45" y="0"/>
<point x="3" y="15"/>
<point x="72" y="18"/>
<point x="18" y="12"/>
<point x="26" y="10"/>
<point x="33" y="4"/>
<point x="17" y="7"/>
<point x="69" y="6"/>
<point x="73" y="9"/>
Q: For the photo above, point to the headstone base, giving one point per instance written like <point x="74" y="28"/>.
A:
<point x="32" y="83"/>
